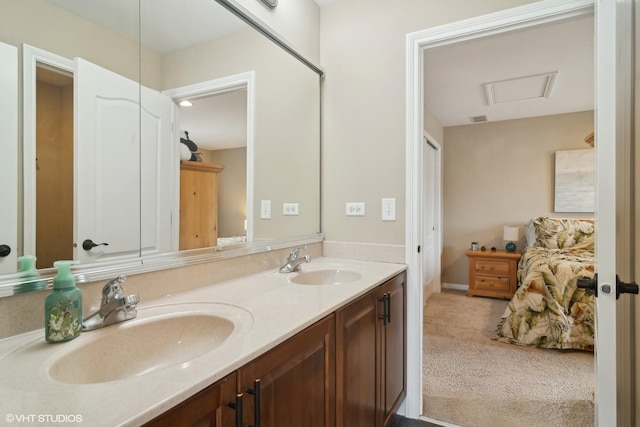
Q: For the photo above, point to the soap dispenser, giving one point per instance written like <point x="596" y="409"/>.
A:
<point x="63" y="306"/>
<point x="29" y="276"/>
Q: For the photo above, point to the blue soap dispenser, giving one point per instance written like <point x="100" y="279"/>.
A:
<point x="63" y="306"/>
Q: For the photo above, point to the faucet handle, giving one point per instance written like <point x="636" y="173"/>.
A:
<point x="113" y="289"/>
<point x="295" y="253"/>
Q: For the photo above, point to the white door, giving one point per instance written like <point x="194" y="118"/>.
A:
<point x="613" y="86"/>
<point x="429" y="207"/>
<point x="159" y="163"/>
<point x="9" y="158"/>
<point x="107" y="164"/>
<point x="123" y="163"/>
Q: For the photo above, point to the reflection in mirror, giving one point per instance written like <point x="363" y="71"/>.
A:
<point x="274" y="157"/>
<point x="53" y="165"/>
<point x="217" y="124"/>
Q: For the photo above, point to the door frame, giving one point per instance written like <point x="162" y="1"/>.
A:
<point x="31" y="57"/>
<point x="9" y="221"/>
<point x="242" y="80"/>
<point x="544" y="11"/>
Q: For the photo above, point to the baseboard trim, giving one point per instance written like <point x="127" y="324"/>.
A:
<point x="455" y="286"/>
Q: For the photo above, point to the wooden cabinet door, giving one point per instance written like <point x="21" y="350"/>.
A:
<point x="295" y="381"/>
<point x="356" y="367"/>
<point x="208" y="408"/>
<point x="370" y="356"/>
<point x="392" y="349"/>
<point x="198" y="205"/>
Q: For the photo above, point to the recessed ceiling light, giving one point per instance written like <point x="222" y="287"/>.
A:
<point x="185" y="103"/>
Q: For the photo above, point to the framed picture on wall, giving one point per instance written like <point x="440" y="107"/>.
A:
<point x="575" y="175"/>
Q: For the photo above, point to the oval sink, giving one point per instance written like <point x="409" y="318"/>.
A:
<point x="161" y="337"/>
<point x="329" y="276"/>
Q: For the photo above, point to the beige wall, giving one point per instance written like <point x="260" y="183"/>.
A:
<point x="286" y="123"/>
<point x="45" y="26"/>
<point x="501" y="173"/>
<point x="363" y="51"/>
<point x="232" y="190"/>
<point x="296" y="21"/>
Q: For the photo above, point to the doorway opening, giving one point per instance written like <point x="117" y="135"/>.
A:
<point x="441" y="38"/>
<point x="218" y="115"/>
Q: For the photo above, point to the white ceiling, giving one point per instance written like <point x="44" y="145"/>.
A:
<point x="165" y="25"/>
<point x="455" y="75"/>
<point x="216" y="121"/>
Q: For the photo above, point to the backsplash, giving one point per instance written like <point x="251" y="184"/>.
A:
<point x="25" y="312"/>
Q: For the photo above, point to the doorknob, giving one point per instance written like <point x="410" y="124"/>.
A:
<point x="625" y="288"/>
<point x="621" y="287"/>
<point x="5" y="250"/>
<point x="589" y="283"/>
<point x="88" y="244"/>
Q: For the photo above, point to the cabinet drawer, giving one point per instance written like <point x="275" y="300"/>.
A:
<point x="492" y="283"/>
<point x="486" y="266"/>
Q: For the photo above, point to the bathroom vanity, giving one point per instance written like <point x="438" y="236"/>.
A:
<point x="323" y="346"/>
<point x="347" y="369"/>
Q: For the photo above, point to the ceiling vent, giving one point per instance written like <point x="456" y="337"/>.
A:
<point x="538" y="86"/>
<point x="478" y="119"/>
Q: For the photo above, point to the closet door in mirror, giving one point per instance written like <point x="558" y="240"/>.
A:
<point x="107" y="164"/>
<point x="9" y="157"/>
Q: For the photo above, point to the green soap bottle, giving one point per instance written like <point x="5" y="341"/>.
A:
<point x="63" y="306"/>
<point x="29" y="275"/>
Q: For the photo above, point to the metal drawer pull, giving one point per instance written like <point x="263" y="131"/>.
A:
<point x="255" y="392"/>
<point x="389" y="307"/>
<point x="238" y="407"/>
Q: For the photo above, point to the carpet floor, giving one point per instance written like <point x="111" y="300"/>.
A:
<point x="472" y="381"/>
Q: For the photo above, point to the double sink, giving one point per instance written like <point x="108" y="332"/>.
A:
<point x="163" y="336"/>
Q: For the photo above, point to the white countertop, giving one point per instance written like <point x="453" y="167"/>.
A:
<point x="275" y="310"/>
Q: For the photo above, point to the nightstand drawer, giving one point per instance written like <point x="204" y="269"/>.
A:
<point x="492" y="283"/>
<point x="492" y="274"/>
<point x="484" y="266"/>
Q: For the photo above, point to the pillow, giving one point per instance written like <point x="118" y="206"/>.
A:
<point x="530" y="233"/>
<point x="561" y="233"/>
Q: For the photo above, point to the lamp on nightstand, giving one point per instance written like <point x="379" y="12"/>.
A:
<point x="511" y="234"/>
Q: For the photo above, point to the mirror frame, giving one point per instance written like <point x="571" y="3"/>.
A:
<point x="146" y="264"/>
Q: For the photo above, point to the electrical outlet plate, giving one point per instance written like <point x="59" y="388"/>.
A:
<point x="355" y="209"/>
<point x="265" y="209"/>
<point x="289" y="209"/>
<point x="389" y="209"/>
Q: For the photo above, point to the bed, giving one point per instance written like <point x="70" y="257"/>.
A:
<point x="548" y="310"/>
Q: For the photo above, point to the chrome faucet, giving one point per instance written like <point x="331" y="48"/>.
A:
<point x="115" y="306"/>
<point x="294" y="261"/>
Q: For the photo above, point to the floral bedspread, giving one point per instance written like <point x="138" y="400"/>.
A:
<point x="548" y="310"/>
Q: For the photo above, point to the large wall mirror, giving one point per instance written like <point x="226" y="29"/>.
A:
<point x="149" y="129"/>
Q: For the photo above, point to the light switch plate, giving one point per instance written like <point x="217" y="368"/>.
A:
<point x="265" y="209"/>
<point x="389" y="209"/>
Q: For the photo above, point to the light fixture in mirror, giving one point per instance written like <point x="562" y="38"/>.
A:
<point x="281" y="127"/>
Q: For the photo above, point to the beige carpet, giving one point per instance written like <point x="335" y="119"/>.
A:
<point x="473" y="381"/>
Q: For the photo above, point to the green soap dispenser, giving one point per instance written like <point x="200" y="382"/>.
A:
<point x="63" y="306"/>
<point x="29" y="275"/>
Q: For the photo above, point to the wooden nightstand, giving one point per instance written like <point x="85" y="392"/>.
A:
<point x="492" y="274"/>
